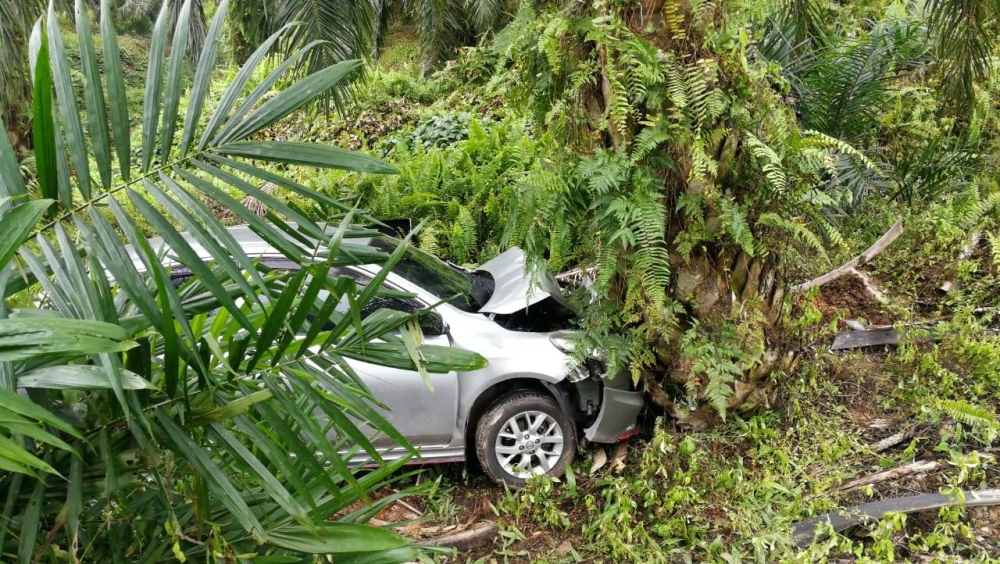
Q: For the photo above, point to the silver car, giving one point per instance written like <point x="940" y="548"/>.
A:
<point x="521" y="415"/>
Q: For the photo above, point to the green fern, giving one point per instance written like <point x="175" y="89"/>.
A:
<point x="796" y="229"/>
<point x="769" y="160"/>
<point x="735" y="223"/>
<point x="968" y="414"/>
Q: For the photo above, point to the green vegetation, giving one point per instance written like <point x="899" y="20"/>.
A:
<point x="694" y="159"/>
<point x="153" y="410"/>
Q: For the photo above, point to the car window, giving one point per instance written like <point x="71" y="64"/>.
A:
<point x="431" y="274"/>
<point x="180" y="276"/>
<point x="430" y="322"/>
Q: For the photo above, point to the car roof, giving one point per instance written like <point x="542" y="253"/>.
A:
<point x="252" y="244"/>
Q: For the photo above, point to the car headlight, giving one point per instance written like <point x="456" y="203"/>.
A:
<point x="564" y="340"/>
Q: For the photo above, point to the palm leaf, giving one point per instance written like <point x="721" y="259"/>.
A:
<point x="185" y="424"/>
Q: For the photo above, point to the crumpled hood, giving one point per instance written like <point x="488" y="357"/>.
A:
<point x="514" y="289"/>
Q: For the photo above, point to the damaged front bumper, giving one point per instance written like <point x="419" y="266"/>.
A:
<point x="619" y="404"/>
<point x="617" y="417"/>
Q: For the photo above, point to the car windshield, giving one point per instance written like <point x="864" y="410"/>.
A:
<point x="431" y="274"/>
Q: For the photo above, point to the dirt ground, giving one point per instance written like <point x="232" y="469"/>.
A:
<point x="846" y="298"/>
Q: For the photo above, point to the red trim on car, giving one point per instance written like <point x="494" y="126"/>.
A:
<point x="628" y="435"/>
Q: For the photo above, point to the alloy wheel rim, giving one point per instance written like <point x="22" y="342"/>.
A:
<point x="529" y="444"/>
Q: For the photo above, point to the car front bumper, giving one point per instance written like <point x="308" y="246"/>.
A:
<point x="617" y="417"/>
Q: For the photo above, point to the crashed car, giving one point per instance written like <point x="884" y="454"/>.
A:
<point x="521" y="415"/>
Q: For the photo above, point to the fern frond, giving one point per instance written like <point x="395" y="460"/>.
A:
<point x="796" y="229"/>
<point x="769" y="160"/>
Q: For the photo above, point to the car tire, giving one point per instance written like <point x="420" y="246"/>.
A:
<point x="545" y="450"/>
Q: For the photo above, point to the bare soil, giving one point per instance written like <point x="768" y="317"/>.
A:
<point x="846" y="298"/>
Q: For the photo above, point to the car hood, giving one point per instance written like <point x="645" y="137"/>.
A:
<point x="514" y="289"/>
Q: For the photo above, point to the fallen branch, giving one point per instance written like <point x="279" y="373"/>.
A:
<point x="820" y="527"/>
<point x="884" y="241"/>
<point x="472" y="537"/>
<point x="870" y="288"/>
<point x="893" y="440"/>
<point x="914" y="469"/>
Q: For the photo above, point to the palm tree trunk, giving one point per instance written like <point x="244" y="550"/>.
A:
<point x="718" y="285"/>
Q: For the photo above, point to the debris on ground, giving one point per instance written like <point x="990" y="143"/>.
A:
<point x="820" y="527"/>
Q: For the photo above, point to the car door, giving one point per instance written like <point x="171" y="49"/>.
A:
<point x="424" y="412"/>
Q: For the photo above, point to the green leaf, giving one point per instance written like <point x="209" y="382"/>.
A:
<point x="16" y="225"/>
<point x="224" y="237"/>
<point x="287" y="101"/>
<point x="203" y="76"/>
<point x="276" y="319"/>
<point x="187" y="256"/>
<point x="289" y="185"/>
<point x="306" y="154"/>
<point x="97" y="120"/>
<point x="236" y="87"/>
<point x="405" y="554"/>
<point x="154" y="85"/>
<point x="303" y="223"/>
<point x="74" y="504"/>
<point x="38" y="337"/>
<point x="32" y="429"/>
<point x="178" y="50"/>
<point x="116" y="90"/>
<point x="29" y="523"/>
<point x="43" y="125"/>
<point x="79" y="377"/>
<point x="437" y="359"/>
<point x="263" y="88"/>
<point x="268" y="482"/>
<point x="18" y="456"/>
<point x="336" y="538"/>
<point x="259" y="226"/>
<point x="223" y="256"/>
<point x="225" y="491"/>
<point x="66" y="101"/>
<point x="15" y="403"/>
<point x="11" y="181"/>
<point x="410" y="342"/>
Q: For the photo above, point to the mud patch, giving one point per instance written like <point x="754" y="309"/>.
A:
<point x="846" y="298"/>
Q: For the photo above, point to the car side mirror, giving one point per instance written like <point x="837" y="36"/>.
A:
<point x="433" y="325"/>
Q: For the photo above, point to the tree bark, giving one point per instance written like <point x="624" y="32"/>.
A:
<point x="718" y="284"/>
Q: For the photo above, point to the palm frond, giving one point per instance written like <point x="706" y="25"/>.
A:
<point x="964" y="33"/>
<point x="194" y="406"/>
<point x="444" y="26"/>
<point x="347" y="28"/>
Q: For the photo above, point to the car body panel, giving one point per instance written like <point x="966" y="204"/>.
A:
<point x="514" y="290"/>
<point x="619" y="410"/>
<point x="427" y="412"/>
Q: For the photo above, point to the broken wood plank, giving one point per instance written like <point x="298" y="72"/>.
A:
<point x="913" y="469"/>
<point x="884" y="241"/>
<point x="866" y="338"/>
<point x="467" y="539"/>
<point x="820" y="527"/>
<point x="878" y="337"/>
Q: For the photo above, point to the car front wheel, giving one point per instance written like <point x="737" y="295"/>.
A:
<point x="524" y="434"/>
